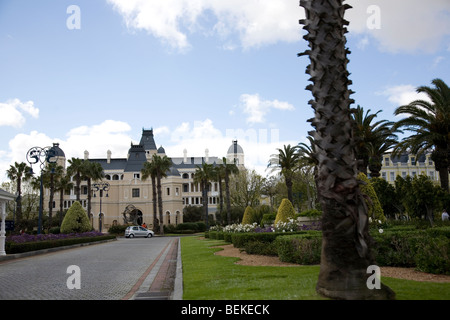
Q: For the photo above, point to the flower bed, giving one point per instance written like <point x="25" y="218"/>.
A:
<point x="25" y="242"/>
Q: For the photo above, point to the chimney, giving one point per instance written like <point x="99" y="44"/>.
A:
<point x="206" y="155"/>
<point x="185" y="156"/>
<point x="86" y="155"/>
<point x="108" y="156"/>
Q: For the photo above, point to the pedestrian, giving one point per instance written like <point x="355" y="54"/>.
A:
<point x="144" y="225"/>
<point x="445" y="216"/>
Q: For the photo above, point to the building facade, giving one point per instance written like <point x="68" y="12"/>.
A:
<point x="408" y="165"/>
<point x="129" y="195"/>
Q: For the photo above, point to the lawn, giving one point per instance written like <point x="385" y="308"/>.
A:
<point x="210" y="277"/>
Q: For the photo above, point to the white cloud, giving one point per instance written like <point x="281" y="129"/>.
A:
<point x="257" y="108"/>
<point x="403" y="94"/>
<point x="12" y="112"/>
<point x="404" y="25"/>
<point x="257" y="22"/>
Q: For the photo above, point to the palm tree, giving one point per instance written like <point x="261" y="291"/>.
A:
<point x="19" y="172"/>
<point x="372" y="140"/>
<point x="75" y="169"/>
<point x="229" y="169"/>
<point x="92" y="171"/>
<point x="50" y="173"/>
<point x="162" y="165"/>
<point x="147" y="171"/>
<point x="287" y="161"/>
<point x="346" y="242"/>
<point x="430" y="123"/>
<point x="63" y="185"/>
<point x="203" y="175"/>
<point x="218" y="175"/>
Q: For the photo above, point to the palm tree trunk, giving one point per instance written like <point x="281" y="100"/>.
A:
<point x="227" y="196"/>
<point x="155" y="205"/>
<point x="345" y="242"/>
<point x="160" y="205"/>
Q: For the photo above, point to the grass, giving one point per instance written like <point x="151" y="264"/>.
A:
<point x="210" y="277"/>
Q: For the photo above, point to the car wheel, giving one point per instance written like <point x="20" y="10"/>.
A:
<point x="149" y="235"/>
<point x="131" y="235"/>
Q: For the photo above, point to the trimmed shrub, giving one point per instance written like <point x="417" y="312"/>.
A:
<point x="76" y="220"/>
<point x="374" y="205"/>
<point x="248" y="215"/>
<point x="261" y="248"/>
<point x="312" y="213"/>
<point x="433" y="256"/>
<point x="285" y="211"/>
<point x="302" y="249"/>
<point x="268" y="219"/>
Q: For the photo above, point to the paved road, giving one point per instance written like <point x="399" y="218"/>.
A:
<point x="108" y="271"/>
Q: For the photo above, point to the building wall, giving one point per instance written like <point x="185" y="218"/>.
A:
<point x="409" y="166"/>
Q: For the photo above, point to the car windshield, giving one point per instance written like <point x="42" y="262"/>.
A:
<point x="142" y="229"/>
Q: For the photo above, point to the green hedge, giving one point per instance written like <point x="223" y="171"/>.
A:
<point x="239" y="240"/>
<point x="301" y="249"/>
<point x="12" y="247"/>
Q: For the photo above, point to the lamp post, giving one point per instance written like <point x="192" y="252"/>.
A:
<point x="100" y="186"/>
<point x="42" y="156"/>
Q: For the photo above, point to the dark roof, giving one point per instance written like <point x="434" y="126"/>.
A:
<point x="405" y="157"/>
<point x="58" y="151"/>
<point x="235" y="148"/>
<point x="147" y="140"/>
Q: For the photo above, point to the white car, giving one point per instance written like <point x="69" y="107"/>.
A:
<point x="138" y="231"/>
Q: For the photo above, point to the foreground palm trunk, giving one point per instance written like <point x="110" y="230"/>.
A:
<point x="346" y="243"/>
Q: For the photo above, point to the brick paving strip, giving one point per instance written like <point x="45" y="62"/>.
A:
<point x="163" y="283"/>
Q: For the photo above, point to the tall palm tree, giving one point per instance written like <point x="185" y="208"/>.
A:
<point x="372" y="139"/>
<point x="91" y="171"/>
<point x="75" y="169"/>
<point x="346" y="242"/>
<point x="430" y="123"/>
<point x="229" y="169"/>
<point x="63" y="185"/>
<point x="162" y="165"/>
<point x="218" y="175"/>
<point x="287" y="161"/>
<point x="203" y="174"/>
<point x="51" y="174"/>
<point x="149" y="170"/>
<point x="19" y="172"/>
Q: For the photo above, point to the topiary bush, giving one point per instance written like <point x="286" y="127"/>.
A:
<point x="285" y="211"/>
<point x="374" y="205"/>
<point x="248" y="215"/>
<point x="76" y="220"/>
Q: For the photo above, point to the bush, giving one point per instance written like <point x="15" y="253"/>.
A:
<point x="248" y="215"/>
<point x="433" y="256"/>
<point x="313" y="213"/>
<point x="76" y="220"/>
<point x="261" y="248"/>
<point x="374" y="205"/>
<point x="285" y="211"/>
<point x="117" y="229"/>
<point x="239" y="240"/>
<point x="268" y="219"/>
<point x="302" y="249"/>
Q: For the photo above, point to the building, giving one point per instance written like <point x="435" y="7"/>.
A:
<point x="130" y="196"/>
<point x="408" y="165"/>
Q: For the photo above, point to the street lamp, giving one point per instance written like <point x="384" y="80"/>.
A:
<point x="100" y="186"/>
<point x="42" y="156"/>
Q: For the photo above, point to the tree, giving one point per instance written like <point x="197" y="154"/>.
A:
<point x="287" y="161"/>
<point x="246" y="188"/>
<point x="91" y="171"/>
<point x="63" y="185"/>
<point x="75" y="169"/>
<point x="76" y="220"/>
<point x="346" y="242"/>
<point x="285" y="211"/>
<point x="430" y="123"/>
<point x="18" y="173"/>
<point x="203" y="174"/>
<point x="51" y="173"/>
<point x="372" y="140"/>
<point x="229" y="169"/>
<point x="162" y="165"/>
<point x="386" y="195"/>
<point x="149" y="170"/>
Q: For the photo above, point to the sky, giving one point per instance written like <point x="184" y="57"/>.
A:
<point x="92" y="74"/>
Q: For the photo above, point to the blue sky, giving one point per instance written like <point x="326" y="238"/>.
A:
<point x="199" y="72"/>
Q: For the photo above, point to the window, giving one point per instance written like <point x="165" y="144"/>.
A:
<point x="413" y="161"/>
<point x="383" y="175"/>
<point x="177" y="191"/>
<point x="386" y="161"/>
<point x="137" y="176"/>
<point x="392" y="176"/>
<point x="135" y="193"/>
<point x="185" y="187"/>
<point x="168" y="191"/>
